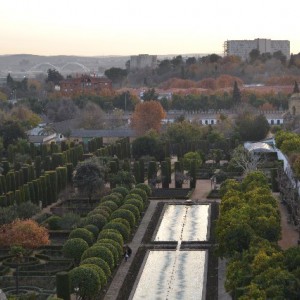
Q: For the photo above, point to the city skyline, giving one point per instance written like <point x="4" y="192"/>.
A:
<point x="133" y="27"/>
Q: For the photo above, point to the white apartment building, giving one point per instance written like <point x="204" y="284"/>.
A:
<point x="242" y="48"/>
<point x="142" y="61"/>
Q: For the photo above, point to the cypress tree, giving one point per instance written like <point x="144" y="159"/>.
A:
<point x="236" y="94"/>
<point x="164" y="175"/>
<point x="296" y="88"/>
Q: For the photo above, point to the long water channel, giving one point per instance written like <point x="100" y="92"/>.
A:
<point x="176" y="274"/>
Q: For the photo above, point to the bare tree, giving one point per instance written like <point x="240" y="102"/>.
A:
<point x="248" y="161"/>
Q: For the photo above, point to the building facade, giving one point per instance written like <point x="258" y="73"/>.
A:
<point x="242" y="48"/>
<point x="142" y="61"/>
<point x="85" y="85"/>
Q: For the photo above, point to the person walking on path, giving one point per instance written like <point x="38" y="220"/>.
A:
<point x="127" y="252"/>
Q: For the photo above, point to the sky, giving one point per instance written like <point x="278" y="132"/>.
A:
<point x="130" y="27"/>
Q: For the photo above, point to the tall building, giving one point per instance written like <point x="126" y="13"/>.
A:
<point x="242" y="48"/>
<point x="142" y="61"/>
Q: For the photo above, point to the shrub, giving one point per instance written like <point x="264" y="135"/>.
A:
<point x="120" y="189"/>
<point x="86" y="280"/>
<point x="54" y="222"/>
<point x="144" y="187"/>
<point x="111" y="234"/>
<point x="93" y="229"/>
<point x="120" y="220"/>
<point x="113" y="198"/>
<point x="140" y="192"/>
<point x="98" y="262"/>
<point x="119" y="195"/>
<point x="27" y="209"/>
<point x="133" y="209"/>
<point x="114" y="243"/>
<point x="69" y="221"/>
<point x="136" y="202"/>
<point x="124" y="214"/>
<point x="99" y="251"/>
<point x="100" y="272"/>
<point x="112" y="249"/>
<point x="120" y="228"/>
<point x="74" y="248"/>
<point x="7" y="214"/>
<point x="134" y="196"/>
<point x="63" y="285"/>
<point x="97" y="220"/>
<point x="99" y="211"/>
<point x="83" y="234"/>
<point x="109" y="204"/>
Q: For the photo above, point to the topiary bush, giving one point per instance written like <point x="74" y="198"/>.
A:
<point x="140" y="192"/>
<point x="113" y="198"/>
<point x="124" y="214"/>
<point x="120" y="228"/>
<point x="100" y="272"/>
<point x="97" y="220"/>
<point x="114" y="243"/>
<point x="54" y="222"/>
<point x="109" y="204"/>
<point x="111" y="234"/>
<point x="136" y="202"/>
<point x="120" y="189"/>
<point x="99" y="251"/>
<point x="74" y="248"/>
<point x="99" y="262"/>
<point x="82" y="233"/>
<point x="120" y="220"/>
<point x="133" y="209"/>
<point x="145" y="187"/>
<point x="99" y="211"/>
<point x="112" y="249"/>
<point x="86" y="280"/>
<point x="93" y="229"/>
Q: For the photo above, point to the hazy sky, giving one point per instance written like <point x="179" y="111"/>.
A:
<point x="128" y="27"/>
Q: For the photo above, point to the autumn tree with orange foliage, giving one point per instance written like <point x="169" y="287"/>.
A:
<point x="25" y="233"/>
<point x="146" y="116"/>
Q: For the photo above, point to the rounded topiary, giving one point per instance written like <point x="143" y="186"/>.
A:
<point x="140" y="192"/>
<point x="121" y="220"/>
<point x="111" y="234"/>
<point x="119" y="195"/>
<point x="144" y="187"/>
<point x="134" y="196"/>
<point x="112" y="249"/>
<point x="100" y="272"/>
<point x="120" y="228"/>
<point x="114" y="243"/>
<point x="100" y="251"/>
<point x="136" y="202"/>
<point x="97" y="220"/>
<point x="124" y="214"/>
<point x="74" y="248"/>
<point x="120" y="189"/>
<point x="54" y="222"/>
<point x="133" y="209"/>
<point x="111" y="205"/>
<point x="99" y="262"/>
<point x="86" y="280"/>
<point x="113" y="198"/>
<point x="93" y="229"/>
<point x="99" y="211"/>
<point x="82" y="233"/>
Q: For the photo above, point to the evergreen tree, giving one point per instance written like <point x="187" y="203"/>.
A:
<point x="236" y="94"/>
<point x="296" y="88"/>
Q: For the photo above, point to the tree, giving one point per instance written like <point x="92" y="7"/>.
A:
<point x="236" y="94"/>
<point x="25" y="233"/>
<point x="11" y="131"/>
<point x="92" y="117"/>
<point x="25" y="116"/>
<point x="246" y="160"/>
<point x="150" y="94"/>
<point x="254" y="55"/>
<point x="190" y="157"/>
<point x="146" y="116"/>
<point x="252" y="128"/>
<point x="89" y="177"/>
<point x="54" y="76"/>
<point x="116" y="75"/>
<point x="296" y="88"/>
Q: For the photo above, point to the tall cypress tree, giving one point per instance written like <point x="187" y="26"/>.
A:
<point x="296" y="88"/>
<point x="236" y="94"/>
